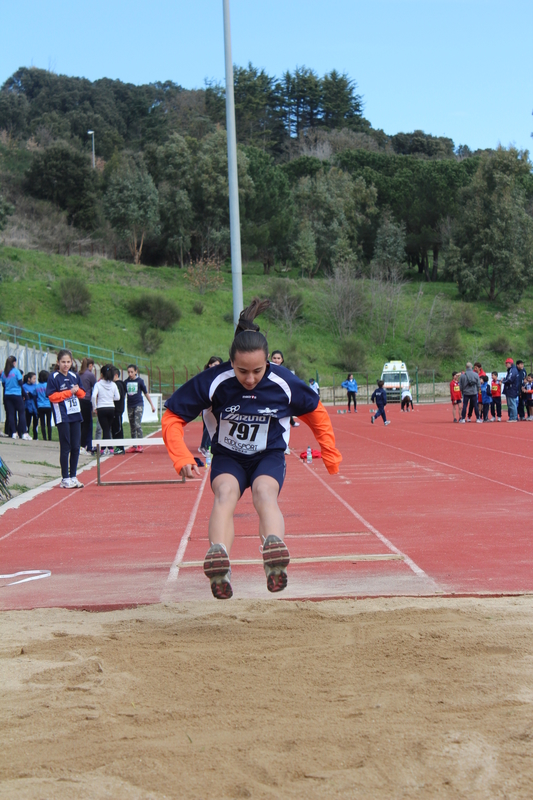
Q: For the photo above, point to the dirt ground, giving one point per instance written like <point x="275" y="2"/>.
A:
<point x="364" y="699"/>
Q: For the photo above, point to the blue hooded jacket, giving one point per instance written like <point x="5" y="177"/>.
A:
<point x="350" y="386"/>
<point x="511" y="383"/>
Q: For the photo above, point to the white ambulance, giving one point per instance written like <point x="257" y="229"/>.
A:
<point x="395" y="378"/>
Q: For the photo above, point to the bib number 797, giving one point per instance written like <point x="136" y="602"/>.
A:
<point x="244" y="436"/>
<point x="241" y="431"/>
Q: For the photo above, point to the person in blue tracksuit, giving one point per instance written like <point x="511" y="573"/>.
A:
<point x="29" y="390"/>
<point x="379" y="397"/>
<point x="64" y="392"/>
<point x="44" y="407"/>
<point x="11" y="379"/>
<point x="351" y="387"/>
<point x="486" y="397"/>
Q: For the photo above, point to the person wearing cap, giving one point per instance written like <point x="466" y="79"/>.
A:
<point x="511" y="388"/>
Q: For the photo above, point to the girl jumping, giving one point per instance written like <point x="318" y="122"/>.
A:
<point x="248" y="403"/>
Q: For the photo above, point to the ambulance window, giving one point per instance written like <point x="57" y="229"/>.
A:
<point x="404" y="376"/>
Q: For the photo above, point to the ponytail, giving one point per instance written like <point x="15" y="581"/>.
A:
<point x="247" y="338"/>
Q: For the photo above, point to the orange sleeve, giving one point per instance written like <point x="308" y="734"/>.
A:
<point x="320" y="423"/>
<point x="58" y="397"/>
<point x="172" y="427"/>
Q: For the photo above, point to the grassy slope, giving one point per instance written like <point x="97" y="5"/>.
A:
<point x="29" y="297"/>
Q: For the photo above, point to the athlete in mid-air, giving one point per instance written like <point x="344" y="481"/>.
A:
<point x="248" y="403"/>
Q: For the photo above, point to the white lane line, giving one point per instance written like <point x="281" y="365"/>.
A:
<point x="442" y="463"/>
<point x="409" y="561"/>
<point x="469" y="444"/>
<point x="35" y="573"/>
<point x="70" y="493"/>
<point x="175" y="566"/>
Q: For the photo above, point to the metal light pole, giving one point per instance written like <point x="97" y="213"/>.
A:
<point x="234" y="220"/>
<point x="91" y="133"/>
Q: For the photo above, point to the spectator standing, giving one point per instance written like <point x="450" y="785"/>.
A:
<point x="486" y="397"/>
<point x="496" y="397"/>
<point x="88" y="379"/>
<point x="11" y="379"/>
<point x="351" y="387"/>
<point x="29" y="390"/>
<point x="44" y="409"/>
<point x="529" y="397"/>
<point x="135" y="389"/>
<point x="277" y="358"/>
<point x="117" y="430"/>
<point x="469" y="384"/>
<point x="511" y="389"/>
<point x="456" y="396"/>
<point x="479" y="369"/>
<point x="105" y="394"/>
<point x="314" y="386"/>
<point x="379" y="397"/>
<point x="522" y="395"/>
<point x="64" y="392"/>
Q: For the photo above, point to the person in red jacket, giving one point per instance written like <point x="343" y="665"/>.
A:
<point x="248" y="403"/>
<point x="456" y="396"/>
<point x="496" y="394"/>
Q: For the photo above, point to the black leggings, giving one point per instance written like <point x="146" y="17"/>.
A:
<point x="351" y="396"/>
<point x="105" y="418"/>
<point x="32" y="416"/>
<point x="69" y="445"/>
<point x="45" y="422"/>
<point x="87" y="424"/>
<point x="16" y="417"/>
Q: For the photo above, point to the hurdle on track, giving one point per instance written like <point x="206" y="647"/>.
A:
<point x="126" y="443"/>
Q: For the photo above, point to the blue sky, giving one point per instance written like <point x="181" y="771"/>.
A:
<point x="457" y="68"/>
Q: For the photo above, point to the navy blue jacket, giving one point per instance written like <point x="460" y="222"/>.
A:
<point x="379" y="397"/>
<point x="511" y="383"/>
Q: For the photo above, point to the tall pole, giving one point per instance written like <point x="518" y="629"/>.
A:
<point x="234" y="220"/>
<point x="91" y="133"/>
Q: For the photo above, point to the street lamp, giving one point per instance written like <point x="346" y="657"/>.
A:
<point x="91" y="133"/>
<point x="234" y="221"/>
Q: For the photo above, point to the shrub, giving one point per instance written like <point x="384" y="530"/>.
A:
<point x="228" y="317"/>
<point x="351" y="355"/>
<point x="467" y="315"/>
<point x="205" y="276"/>
<point x="286" y="304"/>
<point x="500" y="344"/>
<point x="156" y="310"/>
<point x="75" y="295"/>
<point x="151" y="339"/>
<point x="198" y="308"/>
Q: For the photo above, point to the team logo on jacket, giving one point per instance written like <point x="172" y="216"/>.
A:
<point x="267" y="410"/>
<point x="232" y="409"/>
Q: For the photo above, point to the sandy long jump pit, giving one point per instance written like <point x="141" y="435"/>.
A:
<point x="379" y="698"/>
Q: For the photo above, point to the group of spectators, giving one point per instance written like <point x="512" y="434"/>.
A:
<point x="28" y="409"/>
<point x="473" y="392"/>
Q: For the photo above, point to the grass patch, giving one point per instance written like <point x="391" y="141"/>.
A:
<point x="41" y="464"/>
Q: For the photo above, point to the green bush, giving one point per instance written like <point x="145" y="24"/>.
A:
<point x="75" y="295"/>
<point x="351" y="355"/>
<point x="500" y="344"/>
<point x="156" y="310"/>
<point x="198" y="308"/>
<point x="151" y="339"/>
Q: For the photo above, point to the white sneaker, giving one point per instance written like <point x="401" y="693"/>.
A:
<point x="15" y="436"/>
<point x="388" y="422"/>
<point x="479" y="421"/>
<point x="26" y="437"/>
<point x="65" y="484"/>
<point x="463" y="421"/>
<point x="106" y="452"/>
<point x="75" y="483"/>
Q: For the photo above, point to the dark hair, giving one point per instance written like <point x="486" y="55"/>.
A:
<point x="27" y="376"/>
<point x="280" y="353"/>
<point x="519" y="362"/>
<point x="381" y="383"/>
<point x="85" y="364"/>
<point x="247" y="338"/>
<point x="10" y="363"/>
<point x="116" y="371"/>
<point x="454" y="374"/>
<point x="477" y="363"/>
<point x="213" y="360"/>
<point x="132" y="366"/>
<point x="107" y="372"/>
<point x="494" y="373"/>
<point x="485" y="378"/>
<point x="43" y="376"/>
<point x="64" y="353"/>
<point x="348" y="376"/>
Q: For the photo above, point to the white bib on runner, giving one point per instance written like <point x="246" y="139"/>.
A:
<point x="72" y="405"/>
<point x="243" y="433"/>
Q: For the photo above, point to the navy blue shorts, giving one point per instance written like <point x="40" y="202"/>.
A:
<point x="270" y="463"/>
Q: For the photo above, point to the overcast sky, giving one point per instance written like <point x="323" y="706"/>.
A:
<point x="458" y="68"/>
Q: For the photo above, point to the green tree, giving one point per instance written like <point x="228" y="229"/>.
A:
<point x="389" y="253"/>
<point x="131" y="205"/>
<point x="6" y="209"/>
<point x="492" y="247"/>
<point x="304" y="249"/>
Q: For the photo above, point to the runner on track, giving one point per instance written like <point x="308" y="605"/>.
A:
<point x="64" y="391"/>
<point x="249" y="404"/>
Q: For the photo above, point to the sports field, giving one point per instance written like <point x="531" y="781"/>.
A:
<point x="412" y="679"/>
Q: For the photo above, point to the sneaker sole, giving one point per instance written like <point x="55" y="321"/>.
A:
<point x="216" y="568"/>
<point x="276" y="559"/>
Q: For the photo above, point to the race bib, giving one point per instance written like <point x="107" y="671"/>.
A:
<point x="243" y="433"/>
<point x="72" y="405"/>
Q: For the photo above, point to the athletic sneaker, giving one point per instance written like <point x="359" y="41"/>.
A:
<point x="65" y="484"/>
<point x="15" y="436"/>
<point x="479" y="421"/>
<point x="463" y="421"/>
<point x="118" y="451"/>
<point x="26" y="437"/>
<point x="276" y="559"/>
<point x="388" y="422"/>
<point x="106" y="452"/>
<point x="217" y="568"/>
<point x="139" y="449"/>
<point x="131" y="450"/>
<point x="75" y="483"/>
<point x="296" y="425"/>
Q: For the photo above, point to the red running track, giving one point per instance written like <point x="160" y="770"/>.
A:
<point x="421" y="507"/>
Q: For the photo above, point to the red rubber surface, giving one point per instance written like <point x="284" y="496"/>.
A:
<point x="439" y="508"/>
